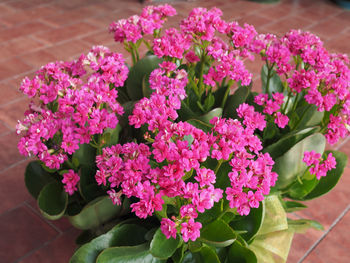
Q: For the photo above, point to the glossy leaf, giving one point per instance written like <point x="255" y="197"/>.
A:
<point x="301" y="225"/>
<point x="206" y="127"/>
<point x="142" y="69"/>
<point x="328" y="182"/>
<point x="112" y="135"/>
<point x="275" y="83"/>
<point x="207" y="255"/>
<point x="52" y="201"/>
<point x="300" y="188"/>
<point x="291" y="164"/>
<point x="309" y="115"/>
<point x="217" y="112"/>
<point x="240" y="254"/>
<point x="250" y="223"/>
<point x="86" y="155"/>
<point x="179" y="254"/>
<point x="288" y="141"/>
<point x="218" y="234"/>
<point x="161" y="247"/>
<point x="36" y="178"/>
<point x="292" y="206"/>
<point x="95" y="213"/>
<point x="134" y="254"/>
<point x="88" y="187"/>
<point x="234" y="100"/>
<point x="120" y="235"/>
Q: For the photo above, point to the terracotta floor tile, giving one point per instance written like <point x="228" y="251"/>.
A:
<point x="256" y="20"/>
<point x="11" y="113"/>
<point x="12" y="67"/>
<point x="39" y="58"/>
<point x="345" y="148"/>
<point x="62" y="224"/>
<point x="8" y="93"/>
<point x="21" y="232"/>
<point x="9" y="154"/>
<point x="100" y="38"/>
<point x="22" y="30"/>
<point x="284" y="25"/>
<point x="3" y="129"/>
<point x="329" y="28"/>
<point x="67" y="32"/>
<point x="327" y="208"/>
<point x="58" y="251"/>
<point x="335" y="246"/>
<point x="69" y="49"/>
<point x="320" y="12"/>
<point x="339" y="44"/>
<point x="13" y="196"/>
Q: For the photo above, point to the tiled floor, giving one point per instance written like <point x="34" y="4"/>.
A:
<point x="34" y="32"/>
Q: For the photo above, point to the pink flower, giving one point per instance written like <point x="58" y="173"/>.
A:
<point x="281" y="120"/>
<point x="190" y="230"/>
<point x="168" y="228"/>
<point x="70" y="181"/>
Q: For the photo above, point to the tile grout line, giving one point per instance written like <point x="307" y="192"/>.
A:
<point x="336" y="221"/>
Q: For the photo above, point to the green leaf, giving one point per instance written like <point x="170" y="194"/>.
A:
<point x="250" y="223"/>
<point x="218" y="234"/>
<point x="111" y="136"/>
<point x="161" y="247"/>
<point x="86" y="155"/>
<point x="275" y="84"/>
<point x="270" y="131"/>
<point x="185" y="112"/>
<point x="95" y="213"/>
<point x="52" y="201"/>
<point x="291" y="164"/>
<point x="142" y="69"/>
<point x="222" y="179"/>
<point x="88" y="187"/>
<point x="233" y="101"/>
<point x="302" y="187"/>
<point x="301" y="225"/>
<point x="130" y="254"/>
<point x="36" y="178"/>
<point x="240" y="254"/>
<point x="309" y="115"/>
<point x="217" y="112"/>
<point x="206" y="127"/>
<point x="120" y="235"/>
<point x="207" y="255"/>
<point x="209" y="102"/>
<point x="328" y="182"/>
<point x="179" y="254"/>
<point x="288" y="141"/>
<point x="292" y="206"/>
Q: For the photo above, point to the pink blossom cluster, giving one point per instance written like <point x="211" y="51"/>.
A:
<point x="271" y="107"/>
<point x="324" y="78"/>
<point x="135" y="27"/>
<point x="67" y="110"/>
<point x="178" y="151"/>
<point x="70" y="181"/>
<point x="318" y="166"/>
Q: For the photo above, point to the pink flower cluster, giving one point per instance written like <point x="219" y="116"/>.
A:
<point x="271" y="107"/>
<point x="70" y="181"/>
<point x="135" y="27"/>
<point x="319" y="167"/>
<point x="308" y="67"/>
<point x="69" y="111"/>
<point x="177" y="151"/>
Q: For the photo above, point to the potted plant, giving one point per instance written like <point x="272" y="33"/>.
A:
<point x="199" y="167"/>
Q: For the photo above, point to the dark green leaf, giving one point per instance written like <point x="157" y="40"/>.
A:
<point x="36" y="178"/>
<point x="233" y="101"/>
<point x="309" y="115"/>
<point x="161" y="247"/>
<point x="209" y="102"/>
<point x="302" y="187"/>
<point x="275" y="83"/>
<point x="88" y="187"/>
<point x="95" y="213"/>
<point x="291" y="164"/>
<point x="292" y="206"/>
<point x="120" y="235"/>
<point x="142" y="69"/>
<point x="328" y="182"/>
<point x="240" y="254"/>
<point x="222" y="179"/>
<point x="134" y="254"/>
<point x="185" y="112"/>
<point x="86" y="155"/>
<point x="301" y="225"/>
<point x="53" y="201"/>
<point x="218" y="234"/>
<point x="206" y="127"/>
<point x="288" y="141"/>
<point x="111" y="136"/>
<point x="207" y="255"/>
<point x="217" y="112"/>
<point x="179" y="254"/>
<point x="250" y="223"/>
<point x="270" y="131"/>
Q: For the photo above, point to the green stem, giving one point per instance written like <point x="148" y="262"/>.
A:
<point x="286" y="105"/>
<point x="218" y="166"/>
<point x="301" y="118"/>
<point x="200" y="79"/>
<point x="269" y="70"/>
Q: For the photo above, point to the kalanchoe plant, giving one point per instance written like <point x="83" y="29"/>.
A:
<point x="186" y="160"/>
